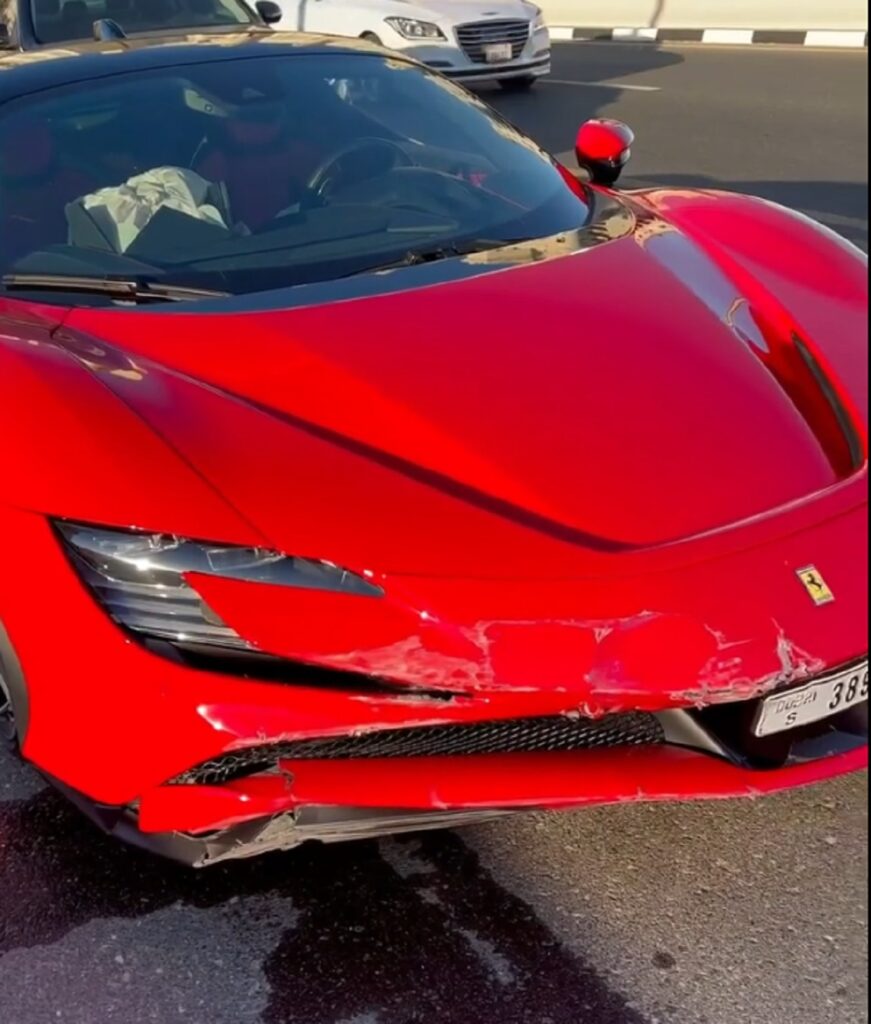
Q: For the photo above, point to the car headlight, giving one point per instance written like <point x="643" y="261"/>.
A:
<point x="538" y="17"/>
<point x="140" y="579"/>
<point x="411" y="28"/>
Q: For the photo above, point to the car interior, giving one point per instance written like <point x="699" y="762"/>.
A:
<point x="317" y="179"/>
<point x="56" y="21"/>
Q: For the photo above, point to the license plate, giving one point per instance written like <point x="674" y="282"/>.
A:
<point x="498" y="53"/>
<point x="813" y="702"/>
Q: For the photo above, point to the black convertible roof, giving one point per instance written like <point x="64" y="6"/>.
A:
<point x="35" y="70"/>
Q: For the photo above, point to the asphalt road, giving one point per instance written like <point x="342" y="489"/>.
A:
<point x="787" y="124"/>
<point x="750" y="913"/>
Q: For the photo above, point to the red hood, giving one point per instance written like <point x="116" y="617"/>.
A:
<point x="627" y="395"/>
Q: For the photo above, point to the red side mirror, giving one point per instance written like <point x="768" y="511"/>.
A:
<point x="603" y="148"/>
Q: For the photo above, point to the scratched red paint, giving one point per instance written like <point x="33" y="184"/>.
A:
<point x="602" y="513"/>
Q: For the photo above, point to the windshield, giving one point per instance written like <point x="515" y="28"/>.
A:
<point x="57" y="21"/>
<point x="253" y="174"/>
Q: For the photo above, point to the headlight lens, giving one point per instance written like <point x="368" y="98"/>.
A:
<point x="411" y="28"/>
<point x="538" y="19"/>
<point x="140" y="580"/>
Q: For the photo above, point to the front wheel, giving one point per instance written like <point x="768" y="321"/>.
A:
<point x="370" y="37"/>
<point x="8" y="732"/>
<point x="523" y="84"/>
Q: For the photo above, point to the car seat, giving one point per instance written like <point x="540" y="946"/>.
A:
<point x="34" y="190"/>
<point x="263" y="167"/>
<point x="47" y="21"/>
<point x="76" y="21"/>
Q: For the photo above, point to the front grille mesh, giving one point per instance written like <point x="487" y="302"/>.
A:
<point x="558" y="733"/>
<point x="474" y="37"/>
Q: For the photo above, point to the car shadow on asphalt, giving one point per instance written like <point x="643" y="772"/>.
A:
<point x="404" y="931"/>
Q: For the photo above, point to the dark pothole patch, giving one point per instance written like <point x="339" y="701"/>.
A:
<point x="664" y="960"/>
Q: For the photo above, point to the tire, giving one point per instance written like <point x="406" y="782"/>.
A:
<point x="370" y="37"/>
<point x="524" y="84"/>
<point x="8" y="731"/>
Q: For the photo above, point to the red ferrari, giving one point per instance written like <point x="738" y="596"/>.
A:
<point x="366" y="470"/>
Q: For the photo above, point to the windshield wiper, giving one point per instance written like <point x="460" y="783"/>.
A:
<point x="416" y="257"/>
<point x="129" y="289"/>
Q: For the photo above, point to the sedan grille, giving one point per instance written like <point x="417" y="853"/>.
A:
<point x="474" y="37"/>
<point x="558" y="733"/>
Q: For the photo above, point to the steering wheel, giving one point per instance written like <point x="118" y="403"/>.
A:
<point x="376" y="156"/>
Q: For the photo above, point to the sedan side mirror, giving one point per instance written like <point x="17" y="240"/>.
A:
<point x="603" y="149"/>
<point x="270" y="12"/>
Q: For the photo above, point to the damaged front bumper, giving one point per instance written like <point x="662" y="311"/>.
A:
<point x="703" y="755"/>
<point x="693" y="645"/>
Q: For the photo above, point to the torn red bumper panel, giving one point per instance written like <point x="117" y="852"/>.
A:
<point x="492" y="782"/>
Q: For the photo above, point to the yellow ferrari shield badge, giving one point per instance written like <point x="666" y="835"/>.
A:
<point x="814" y="583"/>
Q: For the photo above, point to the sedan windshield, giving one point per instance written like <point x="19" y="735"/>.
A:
<point x="246" y="175"/>
<point x="57" y="21"/>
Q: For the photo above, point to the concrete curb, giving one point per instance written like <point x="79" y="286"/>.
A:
<point x="721" y="36"/>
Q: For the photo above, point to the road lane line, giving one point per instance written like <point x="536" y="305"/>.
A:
<point x="602" y="85"/>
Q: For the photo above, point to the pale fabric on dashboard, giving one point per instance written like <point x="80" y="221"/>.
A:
<point x="124" y="211"/>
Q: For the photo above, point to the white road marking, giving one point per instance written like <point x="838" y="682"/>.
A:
<point x="625" y="86"/>
<point x="819" y="40"/>
<point x="496" y="963"/>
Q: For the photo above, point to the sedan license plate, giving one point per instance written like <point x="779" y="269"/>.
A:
<point x="813" y="702"/>
<point x="498" y="53"/>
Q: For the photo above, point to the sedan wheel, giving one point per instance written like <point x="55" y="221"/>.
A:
<point x="518" y="84"/>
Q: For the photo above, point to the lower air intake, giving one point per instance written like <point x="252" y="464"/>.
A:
<point x="556" y="734"/>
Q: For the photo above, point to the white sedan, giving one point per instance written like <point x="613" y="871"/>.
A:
<point x="469" y="40"/>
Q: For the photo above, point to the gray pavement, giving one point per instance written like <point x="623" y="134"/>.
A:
<point x="786" y="124"/>
<point x="744" y="913"/>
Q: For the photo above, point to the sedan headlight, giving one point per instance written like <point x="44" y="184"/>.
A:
<point x="538" y="18"/>
<point x="411" y="28"/>
<point x="140" y="579"/>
